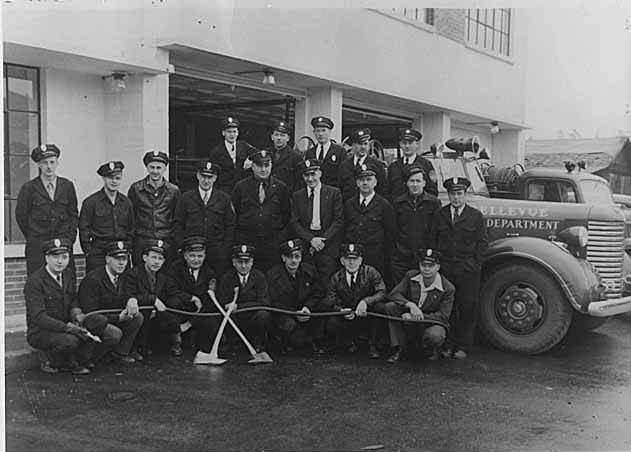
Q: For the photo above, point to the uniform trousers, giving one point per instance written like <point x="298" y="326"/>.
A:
<point x="118" y="335"/>
<point x="62" y="347"/>
<point x="464" y="314"/>
<point x="404" y="333"/>
<point x="256" y="325"/>
<point x="295" y="333"/>
<point x="343" y="332"/>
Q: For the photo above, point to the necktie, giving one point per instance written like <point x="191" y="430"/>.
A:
<point x="244" y="280"/>
<point x="206" y="197"/>
<point x="261" y="193"/>
<point x="234" y="155"/>
<point x="115" y="281"/>
<point x="61" y="284"/>
<point x="353" y="282"/>
<point x="364" y="203"/>
<point x="311" y="193"/>
<point x="51" y="190"/>
<point x="321" y="153"/>
<point x="192" y="272"/>
<point x="455" y="216"/>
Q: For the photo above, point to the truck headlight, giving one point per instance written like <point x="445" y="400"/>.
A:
<point x="575" y="237"/>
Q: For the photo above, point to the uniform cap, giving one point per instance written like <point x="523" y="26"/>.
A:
<point x="110" y="168"/>
<point x="456" y="183"/>
<point x="208" y="168"/>
<point x="159" y="246"/>
<point x="118" y="248"/>
<point x="56" y="246"/>
<point x="155" y="156"/>
<point x="282" y="127"/>
<point x="260" y="157"/>
<point x="429" y="255"/>
<point x="194" y="243"/>
<point x="410" y="134"/>
<point x="309" y="165"/>
<point x="360" y="136"/>
<point x="229" y="122"/>
<point x="290" y="246"/>
<point x="243" y="251"/>
<point x="321" y="121"/>
<point x="44" y="151"/>
<point x="365" y="169"/>
<point x="351" y="250"/>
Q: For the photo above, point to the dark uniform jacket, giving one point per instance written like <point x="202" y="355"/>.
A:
<point x="269" y="219"/>
<point x="331" y="164"/>
<point x="331" y="216"/>
<point x="186" y="286"/>
<point x="293" y="293"/>
<point x="48" y="306"/>
<point x="230" y="173"/>
<point x="373" y="226"/>
<point x="369" y="286"/>
<point x="153" y="209"/>
<point x="462" y="244"/>
<point x="214" y="221"/>
<point x="101" y="221"/>
<point x="284" y="167"/>
<point x="347" y="176"/>
<point x="97" y="291"/>
<point x="414" y="222"/>
<point x="436" y="306"/>
<point x="255" y="292"/>
<point x="39" y="217"/>
<point x="397" y="179"/>
<point x="137" y="284"/>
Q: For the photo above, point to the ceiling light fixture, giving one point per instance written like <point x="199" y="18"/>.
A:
<point x="115" y="83"/>
<point x="268" y="78"/>
<point x="495" y="128"/>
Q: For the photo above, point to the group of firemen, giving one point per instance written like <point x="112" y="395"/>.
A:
<point x="324" y="232"/>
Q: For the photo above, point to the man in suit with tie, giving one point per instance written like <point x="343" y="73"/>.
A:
<point x="191" y="277"/>
<point x="360" y="142"/>
<point x="207" y="212"/>
<point x="231" y="155"/>
<point x="421" y="294"/>
<point x="263" y="207"/>
<point x="284" y="159"/>
<point x="369" y="219"/>
<point x="459" y="234"/>
<point x="102" y="289"/>
<point x="409" y="142"/>
<point x="355" y="289"/>
<point x="252" y="291"/>
<point x="329" y="154"/>
<point x="53" y="314"/>
<point x="317" y="217"/>
<point x="46" y="207"/>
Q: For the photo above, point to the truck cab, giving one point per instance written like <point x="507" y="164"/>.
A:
<point x="556" y="249"/>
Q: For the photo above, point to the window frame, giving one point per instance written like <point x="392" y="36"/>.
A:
<point x="473" y="42"/>
<point x="421" y="25"/>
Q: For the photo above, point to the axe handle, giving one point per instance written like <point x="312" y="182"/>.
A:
<point x="214" y="351"/>
<point x="247" y="343"/>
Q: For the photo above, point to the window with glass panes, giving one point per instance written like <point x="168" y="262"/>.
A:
<point x="21" y="135"/>
<point x="490" y="29"/>
<point x="425" y="15"/>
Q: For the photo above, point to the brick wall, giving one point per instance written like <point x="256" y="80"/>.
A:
<point x="450" y="23"/>
<point x="15" y="278"/>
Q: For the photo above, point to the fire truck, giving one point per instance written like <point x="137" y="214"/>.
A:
<point x="556" y="247"/>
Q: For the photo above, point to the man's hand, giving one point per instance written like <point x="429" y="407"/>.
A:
<point x="247" y="163"/>
<point x="124" y="315"/>
<point x="303" y="318"/>
<point x="198" y="302"/>
<point x="415" y="312"/>
<point x="361" y="309"/>
<point x="318" y="243"/>
<point x="350" y="315"/>
<point x="79" y="318"/>
<point x="230" y="307"/>
<point x="132" y="307"/>
<point x="75" y="329"/>
<point x="160" y="306"/>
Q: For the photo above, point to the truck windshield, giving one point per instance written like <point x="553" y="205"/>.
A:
<point x="596" y="192"/>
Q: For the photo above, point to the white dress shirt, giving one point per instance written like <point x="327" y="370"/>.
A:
<point x="55" y="277"/>
<point x="367" y="198"/>
<point x="349" y="276"/>
<point x="359" y="161"/>
<point x="203" y="193"/>
<point x="232" y="151"/>
<point x="315" y="217"/>
<point x="243" y="279"/>
<point x="453" y="212"/>
<point x="409" y="160"/>
<point x="322" y="150"/>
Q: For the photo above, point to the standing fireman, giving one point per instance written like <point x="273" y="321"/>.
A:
<point x="409" y="141"/>
<point x="46" y="207"/>
<point x="207" y="212"/>
<point x="263" y="207"/>
<point x="154" y="200"/>
<point x="459" y="234"/>
<point x="329" y="154"/>
<point x="360" y="142"/>
<point x="285" y="160"/>
<point x="106" y="216"/>
<point x="231" y="155"/>
<point x="414" y="211"/>
<point x="369" y="220"/>
<point x="317" y="217"/>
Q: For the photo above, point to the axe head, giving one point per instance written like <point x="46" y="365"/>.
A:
<point x="208" y="359"/>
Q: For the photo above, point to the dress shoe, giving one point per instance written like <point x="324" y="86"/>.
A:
<point x="127" y="359"/>
<point x="75" y="368"/>
<point x="395" y="357"/>
<point x="137" y="356"/>
<point x="48" y="368"/>
<point x="373" y="353"/>
<point x="459" y="354"/>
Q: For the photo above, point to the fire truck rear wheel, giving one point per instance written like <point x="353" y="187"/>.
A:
<point x="523" y="309"/>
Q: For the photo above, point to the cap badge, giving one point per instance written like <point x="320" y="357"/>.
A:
<point x="408" y="131"/>
<point x="230" y="119"/>
<point x="360" y="133"/>
<point x="43" y="147"/>
<point x="244" y="249"/>
<point x="290" y="244"/>
<point x="57" y="242"/>
<point x="454" y="180"/>
<point x="112" y="166"/>
<point x="263" y="154"/>
<point x="281" y="124"/>
<point x="429" y="253"/>
<point x="307" y="163"/>
<point x="120" y="245"/>
<point x="333" y="157"/>
<point x="156" y="153"/>
<point x="209" y="165"/>
<point x="364" y="167"/>
<point x="160" y="243"/>
<point x="320" y="119"/>
<point x="351" y="248"/>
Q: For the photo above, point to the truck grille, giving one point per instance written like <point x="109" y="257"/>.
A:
<point x="605" y="251"/>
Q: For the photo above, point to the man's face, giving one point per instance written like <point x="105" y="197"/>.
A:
<point x="113" y="182"/>
<point x="48" y="166"/>
<point x="292" y="261"/>
<point x="361" y="149"/>
<point x="366" y="184"/>
<point x="116" y="264"/>
<point x="416" y="184"/>
<point x="312" y="178"/>
<point x="58" y="262"/>
<point x="428" y="270"/>
<point x="230" y="134"/>
<point x="243" y="265"/>
<point x="156" y="170"/>
<point x="456" y="198"/>
<point x="351" y="264"/>
<point x="280" y="139"/>
<point x="153" y="260"/>
<point x="206" y="181"/>
<point x="262" y="170"/>
<point x="409" y="147"/>
<point x="322" y="134"/>
<point x="194" y="259"/>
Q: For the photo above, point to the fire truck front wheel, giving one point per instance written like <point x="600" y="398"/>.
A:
<point x="523" y="309"/>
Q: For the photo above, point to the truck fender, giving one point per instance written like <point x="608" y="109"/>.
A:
<point x="576" y="277"/>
